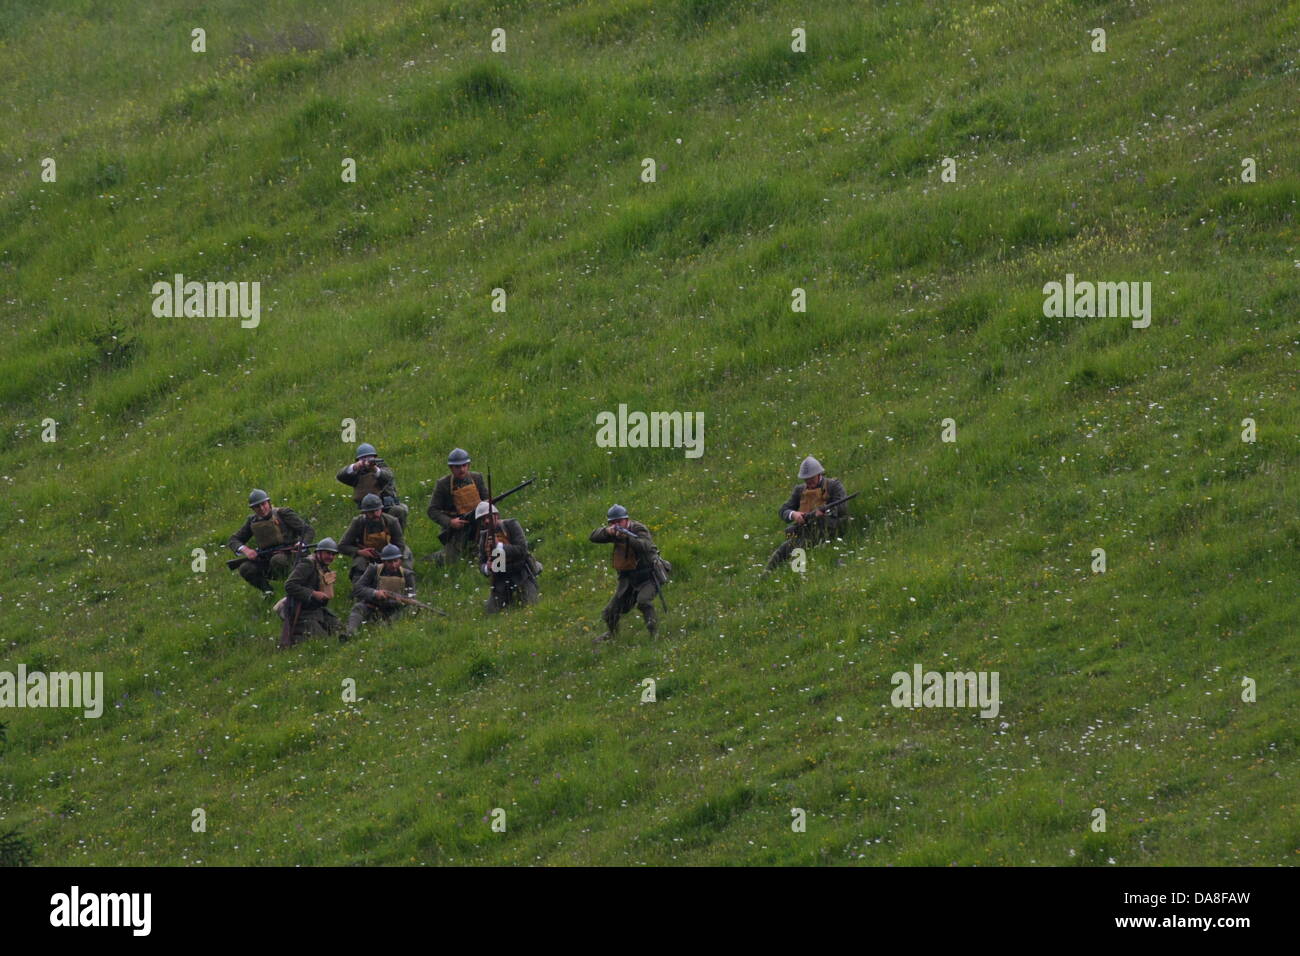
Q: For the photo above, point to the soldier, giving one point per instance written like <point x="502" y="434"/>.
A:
<point x="641" y="571"/>
<point x="813" y="523"/>
<point x="456" y="494"/>
<point x="307" y="593"/>
<point x="367" y="535"/>
<point x="370" y="474"/>
<point x="377" y="588"/>
<point x="503" y="556"/>
<point x="270" y="529"/>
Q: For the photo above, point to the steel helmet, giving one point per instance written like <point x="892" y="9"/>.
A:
<point x="458" y="456"/>
<point x="810" y="467"/>
<point x="256" y="497"/>
<point x="482" y="509"/>
<point x="391" y="552"/>
<point x="616" y="512"/>
<point x="327" y="544"/>
<point x="371" y="503"/>
<point x="365" y="449"/>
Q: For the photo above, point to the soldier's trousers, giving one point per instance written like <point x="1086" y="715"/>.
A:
<point x="512" y="587"/>
<point x="260" y="572"/>
<point x="363" y="613"/>
<point x="809" y="535"/>
<point x="313" y="622"/>
<point x="459" y="544"/>
<point x="359" y="564"/>
<point x="634" y="589"/>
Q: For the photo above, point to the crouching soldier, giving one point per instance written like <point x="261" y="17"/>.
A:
<point x="816" y="510"/>
<point x="307" y="594"/>
<point x="369" y="533"/>
<point x="456" y="494"/>
<point x="378" y="590"/>
<point x="641" y="572"/>
<point x="370" y="475"/>
<point x="503" y="557"/>
<point x="279" y="535"/>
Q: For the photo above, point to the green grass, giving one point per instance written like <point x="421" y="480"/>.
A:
<point x="521" y="170"/>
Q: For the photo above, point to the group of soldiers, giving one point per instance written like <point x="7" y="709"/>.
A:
<point x="275" y="543"/>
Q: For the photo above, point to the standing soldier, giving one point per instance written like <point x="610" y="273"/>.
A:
<point x="456" y="494"/>
<point x="641" y="571"/>
<point x="377" y="590"/>
<point x="277" y="534"/>
<point x="367" y="535"/>
<point x="307" y="593"/>
<point x="370" y="475"/>
<point x="816" y="510"/>
<point x="503" y="556"/>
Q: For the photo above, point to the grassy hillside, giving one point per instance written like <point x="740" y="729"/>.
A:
<point x="776" y="170"/>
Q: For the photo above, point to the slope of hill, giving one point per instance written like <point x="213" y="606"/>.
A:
<point x="776" y="170"/>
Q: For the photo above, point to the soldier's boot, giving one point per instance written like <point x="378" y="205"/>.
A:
<point x="611" y="617"/>
<point x="355" y="620"/>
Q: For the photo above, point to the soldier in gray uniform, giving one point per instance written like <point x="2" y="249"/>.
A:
<point x="308" y="592"/>
<point x="370" y="475"/>
<point x="456" y="494"/>
<point x="503" y="557"/>
<point x="811" y="521"/>
<point x="367" y="535"/>
<point x="641" y="572"/>
<point x="374" y="591"/>
<point x="270" y="529"/>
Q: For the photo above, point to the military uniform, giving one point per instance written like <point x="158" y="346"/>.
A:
<point x="639" y="575"/>
<point x="379" y="482"/>
<point x="368" y="606"/>
<point x="450" y="499"/>
<point x="517" y="584"/>
<point x="364" y="532"/>
<point x="314" y="618"/>
<point x="283" y="526"/>
<point x="814" y="530"/>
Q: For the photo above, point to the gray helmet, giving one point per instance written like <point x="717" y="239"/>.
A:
<point x="391" y="552"/>
<point x="327" y="544"/>
<point x="371" y="503"/>
<point x="810" y="467"/>
<point x="257" y="497"/>
<point x="482" y="509"/>
<point x="616" y="512"/>
<point x="365" y="449"/>
<point x="458" y="456"/>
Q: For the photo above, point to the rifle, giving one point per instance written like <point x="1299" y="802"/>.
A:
<point x="469" y="515"/>
<point x="403" y="599"/>
<point x="290" y="623"/>
<point x="793" y="527"/>
<point x="233" y="563"/>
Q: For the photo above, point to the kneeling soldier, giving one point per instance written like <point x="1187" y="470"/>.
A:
<point x="370" y="475"/>
<point x="367" y="535"/>
<point x="378" y="589"/>
<point x="503" y="556"/>
<point x="457" y="494"/>
<point x="816" y="509"/>
<point x="278" y="534"/>
<point x="641" y="571"/>
<point x="307" y="593"/>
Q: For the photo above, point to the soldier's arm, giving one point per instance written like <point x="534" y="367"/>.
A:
<point x="299" y="584"/>
<point x="439" y="504"/>
<point x="347" y="475"/>
<point x="364" y="589"/>
<point x="601" y="535"/>
<point x="835" y="489"/>
<point x="240" y="537"/>
<point x="350" y="544"/>
<point x="395" y="534"/>
<point x="300" y="529"/>
<point x="643" y="545"/>
<point x="791" y="504"/>
<point x="517" y="550"/>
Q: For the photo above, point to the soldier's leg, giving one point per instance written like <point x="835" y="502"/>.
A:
<point x="408" y="559"/>
<point x="645" y="603"/>
<point x="360" y="612"/>
<point x="527" y="592"/>
<point x="496" y="597"/>
<point x="280" y="566"/>
<point x="782" y="554"/>
<point x="399" y="511"/>
<point x="254" y="572"/>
